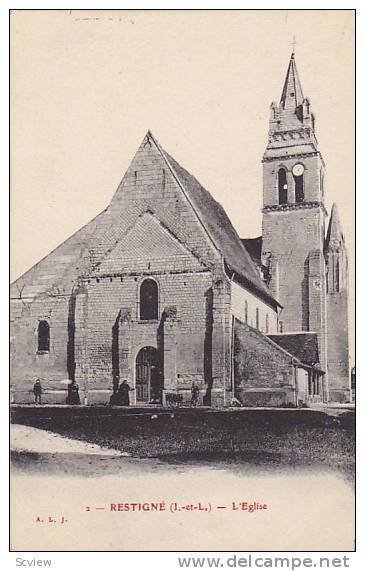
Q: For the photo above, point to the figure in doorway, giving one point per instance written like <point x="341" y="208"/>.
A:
<point x="37" y="391"/>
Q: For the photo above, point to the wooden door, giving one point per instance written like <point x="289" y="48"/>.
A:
<point x="143" y="381"/>
<point x="148" y="376"/>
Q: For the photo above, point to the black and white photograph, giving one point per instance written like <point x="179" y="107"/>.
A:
<point x="182" y="308"/>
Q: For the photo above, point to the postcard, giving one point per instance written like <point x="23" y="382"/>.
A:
<point x="182" y="298"/>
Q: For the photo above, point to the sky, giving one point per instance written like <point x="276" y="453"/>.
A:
<point x="87" y="85"/>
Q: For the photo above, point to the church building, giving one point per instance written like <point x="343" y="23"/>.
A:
<point x="160" y="290"/>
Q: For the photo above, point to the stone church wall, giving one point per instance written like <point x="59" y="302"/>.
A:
<point x="96" y="312"/>
<point x="188" y="294"/>
<point x="264" y="374"/>
<point x="267" y="315"/>
<point x="337" y="348"/>
<point x="27" y="363"/>
<point x="290" y="236"/>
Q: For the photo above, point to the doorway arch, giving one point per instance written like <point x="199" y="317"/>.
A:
<point x="149" y="380"/>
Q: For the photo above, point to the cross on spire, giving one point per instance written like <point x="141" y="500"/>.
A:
<point x="294" y="43"/>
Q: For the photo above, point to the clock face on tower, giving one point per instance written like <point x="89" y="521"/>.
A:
<point x="298" y="169"/>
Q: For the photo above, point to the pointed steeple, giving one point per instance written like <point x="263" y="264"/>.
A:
<point x="292" y="94"/>
<point x="292" y="122"/>
<point x="335" y="236"/>
<point x="336" y="255"/>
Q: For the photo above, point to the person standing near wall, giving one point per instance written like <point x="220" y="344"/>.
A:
<point x="194" y="394"/>
<point x="37" y="391"/>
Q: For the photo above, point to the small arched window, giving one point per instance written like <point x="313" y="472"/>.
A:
<point x="257" y="318"/>
<point x="246" y="312"/>
<point x="337" y="276"/>
<point x="148" y="300"/>
<point x="267" y="323"/>
<point x="322" y="184"/>
<point x="299" y="188"/>
<point x="43" y="336"/>
<point x="282" y="186"/>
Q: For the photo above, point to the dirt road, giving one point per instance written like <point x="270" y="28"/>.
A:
<point x="62" y="491"/>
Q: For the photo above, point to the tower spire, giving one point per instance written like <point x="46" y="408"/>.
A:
<point x="292" y="94"/>
<point x="334" y="233"/>
<point x="293" y="113"/>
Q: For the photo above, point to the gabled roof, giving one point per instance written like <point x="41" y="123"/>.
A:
<point x="302" y="345"/>
<point x="148" y="243"/>
<point x="219" y="227"/>
<point x="71" y="258"/>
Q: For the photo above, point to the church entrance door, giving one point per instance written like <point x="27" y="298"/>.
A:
<point x="148" y="376"/>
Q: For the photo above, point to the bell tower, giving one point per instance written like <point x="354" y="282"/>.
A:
<point x="293" y="227"/>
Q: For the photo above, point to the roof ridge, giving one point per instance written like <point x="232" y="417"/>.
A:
<point x="175" y="175"/>
<point x="295" y="333"/>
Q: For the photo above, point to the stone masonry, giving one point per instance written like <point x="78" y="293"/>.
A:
<point x="160" y="291"/>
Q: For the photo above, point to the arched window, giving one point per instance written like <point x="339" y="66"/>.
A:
<point x="246" y="312"/>
<point x="43" y="336"/>
<point x="282" y="186"/>
<point x="148" y="300"/>
<point x="257" y="318"/>
<point x="267" y="323"/>
<point x="299" y="112"/>
<point x="299" y="188"/>
<point x="337" y="276"/>
<point x="322" y="184"/>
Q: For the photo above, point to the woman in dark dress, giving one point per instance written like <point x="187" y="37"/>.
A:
<point x="73" y="394"/>
<point x="123" y="394"/>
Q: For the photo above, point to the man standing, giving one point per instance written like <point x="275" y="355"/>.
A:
<point x="37" y="390"/>
<point x="194" y="394"/>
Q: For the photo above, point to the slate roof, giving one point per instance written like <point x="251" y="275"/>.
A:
<point x="302" y="345"/>
<point x="63" y="264"/>
<point x="253" y="247"/>
<point x="220" y="228"/>
<point x="238" y="324"/>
